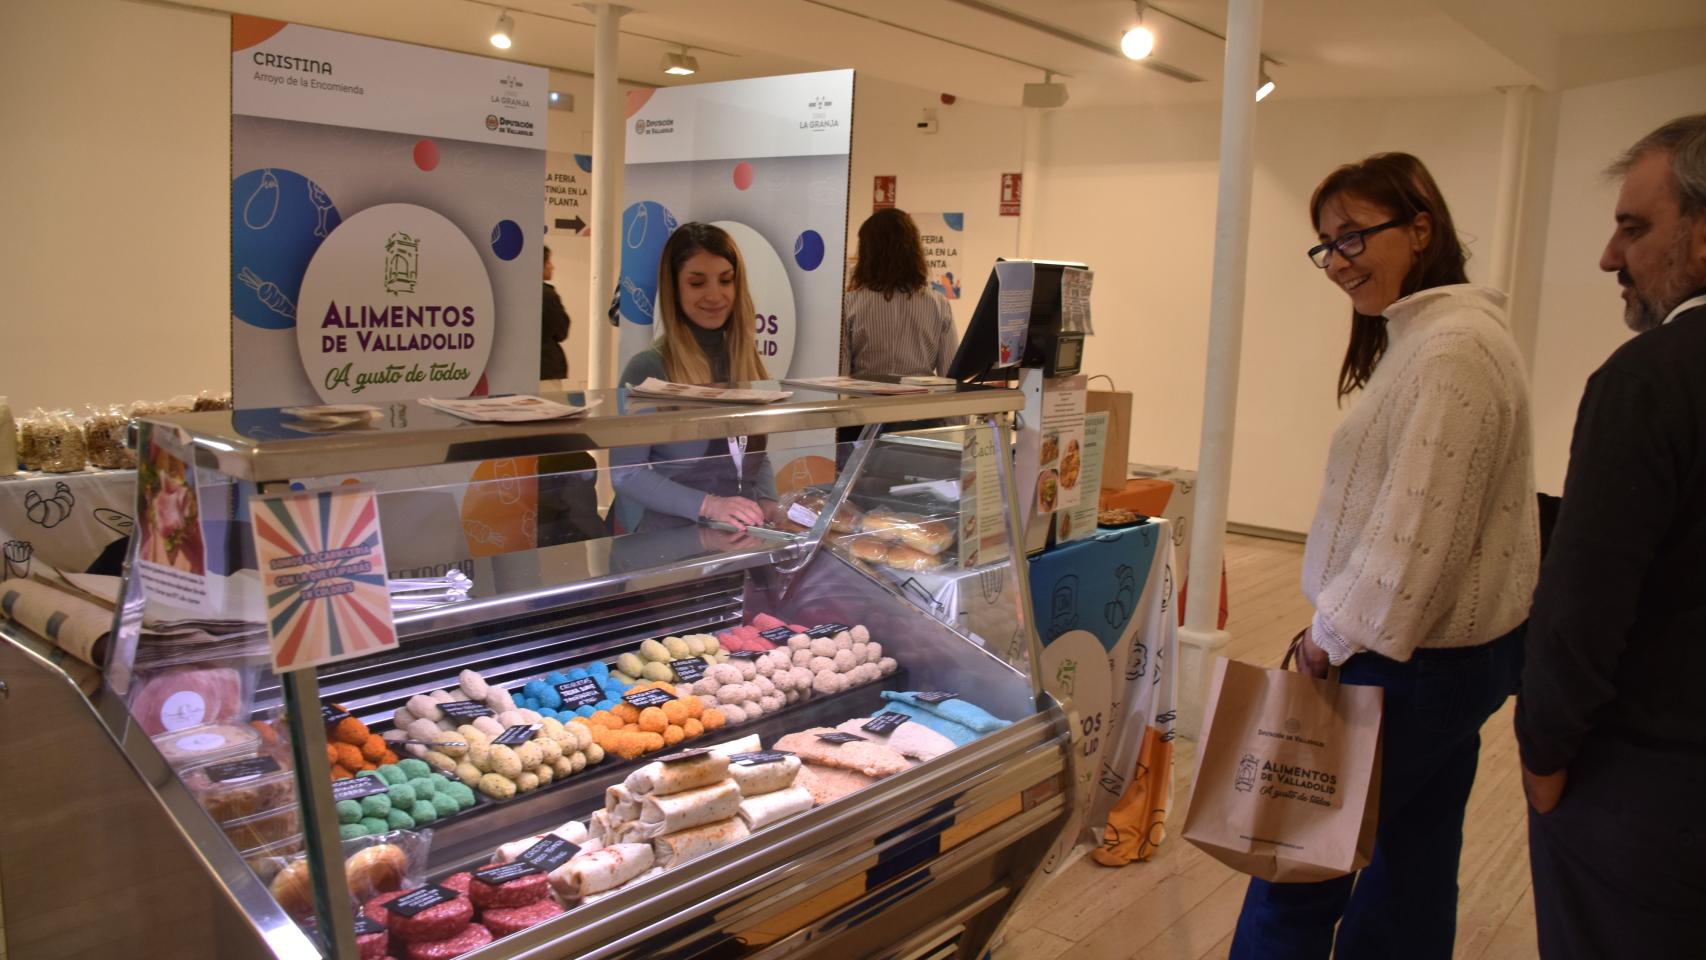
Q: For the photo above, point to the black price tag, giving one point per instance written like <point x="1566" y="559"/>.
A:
<point x="355" y="788"/>
<point x="747" y="654"/>
<point x="885" y="723"/>
<point x="839" y="737"/>
<point x="651" y="697"/>
<point x="685" y="755"/>
<point x="579" y="693"/>
<point x="688" y="670"/>
<point x="332" y="714"/>
<point x="504" y="873"/>
<point x="415" y="901"/>
<point x="777" y="634"/>
<point x="759" y="758"/>
<point x="935" y="696"/>
<point x="240" y="769"/>
<point x="516" y="736"/>
<point x="549" y="853"/>
<point x="465" y="710"/>
<point x="826" y="630"/>
<point x="364" y="925"/>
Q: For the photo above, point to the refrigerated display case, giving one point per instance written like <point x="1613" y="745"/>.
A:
<point x="507" y="587"/>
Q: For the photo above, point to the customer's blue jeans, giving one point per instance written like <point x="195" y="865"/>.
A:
<point x="1404" y="903"/>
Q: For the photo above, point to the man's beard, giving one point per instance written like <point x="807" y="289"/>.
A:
<point x="1648" y="310"/>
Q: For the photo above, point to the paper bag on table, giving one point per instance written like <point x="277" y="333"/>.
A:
<point x="1288" y="774"/>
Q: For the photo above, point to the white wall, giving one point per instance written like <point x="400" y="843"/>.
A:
<point x="1580" y="313"/>
<point x="116" y="253"/>
<point x="116" y="265"/>
<point x="1132" y="192"/>
<point x="958" y="168"/>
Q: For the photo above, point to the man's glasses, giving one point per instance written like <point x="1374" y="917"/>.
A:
<point x="1350" y="245"/>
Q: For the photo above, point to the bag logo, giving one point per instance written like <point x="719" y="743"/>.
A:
<point x="402" y="263"/>
<point x="1246" y="778"/>
<point x="1292" y="725"/>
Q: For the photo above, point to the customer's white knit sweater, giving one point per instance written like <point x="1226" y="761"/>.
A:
<point x="1426" y="534"/>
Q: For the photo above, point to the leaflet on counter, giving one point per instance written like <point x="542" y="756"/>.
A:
<point x="665" y="390"/>
<point x="510" y="409"/>
<point x="855" y="385"/>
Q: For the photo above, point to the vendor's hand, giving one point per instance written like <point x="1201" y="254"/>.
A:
<point x="736" y="511"/>
<point x="1544" y="792"/>
<point x="1311" y="660"/>
<point x="772" y="512"/>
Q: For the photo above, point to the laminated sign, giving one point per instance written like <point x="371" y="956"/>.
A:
<point x="1288" y="777"/>
<point x="323" y="573"/>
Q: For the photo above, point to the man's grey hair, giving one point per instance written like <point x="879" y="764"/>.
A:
<point x="1684" y="141"/>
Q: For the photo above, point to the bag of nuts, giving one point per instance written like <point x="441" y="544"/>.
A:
<point x="59" y="443"/>
<point x="104" y="431"/>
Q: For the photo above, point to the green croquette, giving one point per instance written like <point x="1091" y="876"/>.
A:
<point x="423" y="812"/>
<point x="349" y="811"/>
<point x="375" y="805"/>
<point x="413" y="768"/>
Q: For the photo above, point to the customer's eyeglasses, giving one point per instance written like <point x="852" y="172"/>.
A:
<point x="1351" y="244"/>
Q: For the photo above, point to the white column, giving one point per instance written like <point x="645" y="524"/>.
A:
<point x="1200" y="640"/>
<point x="1030" y="182"/>
<point x="1513" y="164"/>
<point x="607" y="150"/>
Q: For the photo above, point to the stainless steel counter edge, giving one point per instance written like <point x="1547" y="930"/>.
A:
<point x="252" y="899"/>
<point x="262" y="446"/>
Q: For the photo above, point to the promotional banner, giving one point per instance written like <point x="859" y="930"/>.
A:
<point x="942" y="234"/>
<point x="383" y="236"/>
<point x="767" y="160"/>
<point x="322" y="566"/>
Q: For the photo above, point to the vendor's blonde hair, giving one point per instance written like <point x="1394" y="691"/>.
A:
<point x="683" y="360"/>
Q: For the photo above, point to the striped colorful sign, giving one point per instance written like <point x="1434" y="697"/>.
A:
<point x="322" y="567"/>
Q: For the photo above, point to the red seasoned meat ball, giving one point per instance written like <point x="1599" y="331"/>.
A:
<point x="438" y="922"/>
<point x="506" y="921"/>
<point x="472" y="937"/>
<point x="516" y="893"/>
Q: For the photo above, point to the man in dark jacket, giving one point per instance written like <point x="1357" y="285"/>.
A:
<point x="1611" y="721"/>
<point x="553" y="330"/>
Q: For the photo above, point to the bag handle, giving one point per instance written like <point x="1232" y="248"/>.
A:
<point x="1292" y="653"/>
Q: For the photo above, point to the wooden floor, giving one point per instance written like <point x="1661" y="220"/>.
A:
<point x="1182" y="905"/>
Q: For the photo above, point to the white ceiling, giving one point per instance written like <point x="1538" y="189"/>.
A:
<point x="1324" y="48"/>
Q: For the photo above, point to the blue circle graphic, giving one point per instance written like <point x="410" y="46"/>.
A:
<point x="646" y="227"/>
<point x="507" y="240"/>
<point x="808" y="250"/>
<point x="278" y="219"/>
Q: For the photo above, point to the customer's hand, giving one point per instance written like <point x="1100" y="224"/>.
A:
<point x="1544" y="792"/>
<point x="738" y="511"/>
<point x="772" y="512"/>
<point x="1311" y="659"/>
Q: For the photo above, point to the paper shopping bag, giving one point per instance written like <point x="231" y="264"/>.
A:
<point x="1288" y="774"/>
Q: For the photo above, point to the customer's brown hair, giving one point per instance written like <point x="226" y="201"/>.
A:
<point x="1402" y="185"/>
<point x="891" y="255"/>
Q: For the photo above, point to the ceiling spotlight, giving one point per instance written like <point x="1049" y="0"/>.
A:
<point x="680" y="63"/>
<point x="1139" y="40"/>
<point x="501" y="32"/>
<point x="1265" y="83"/>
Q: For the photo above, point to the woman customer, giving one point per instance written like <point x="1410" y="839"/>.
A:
<point x="707" y="337"/>
<point x="1421" y="559"/>
<point x="893" y="323"/>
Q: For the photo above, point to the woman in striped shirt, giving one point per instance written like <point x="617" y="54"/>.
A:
<point x="893" y="323"/>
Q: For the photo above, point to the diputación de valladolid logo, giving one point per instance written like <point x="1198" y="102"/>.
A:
<point x="644" y="126"/>
<point x="1248" y="767"/>
<point x="402" y="263"/>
